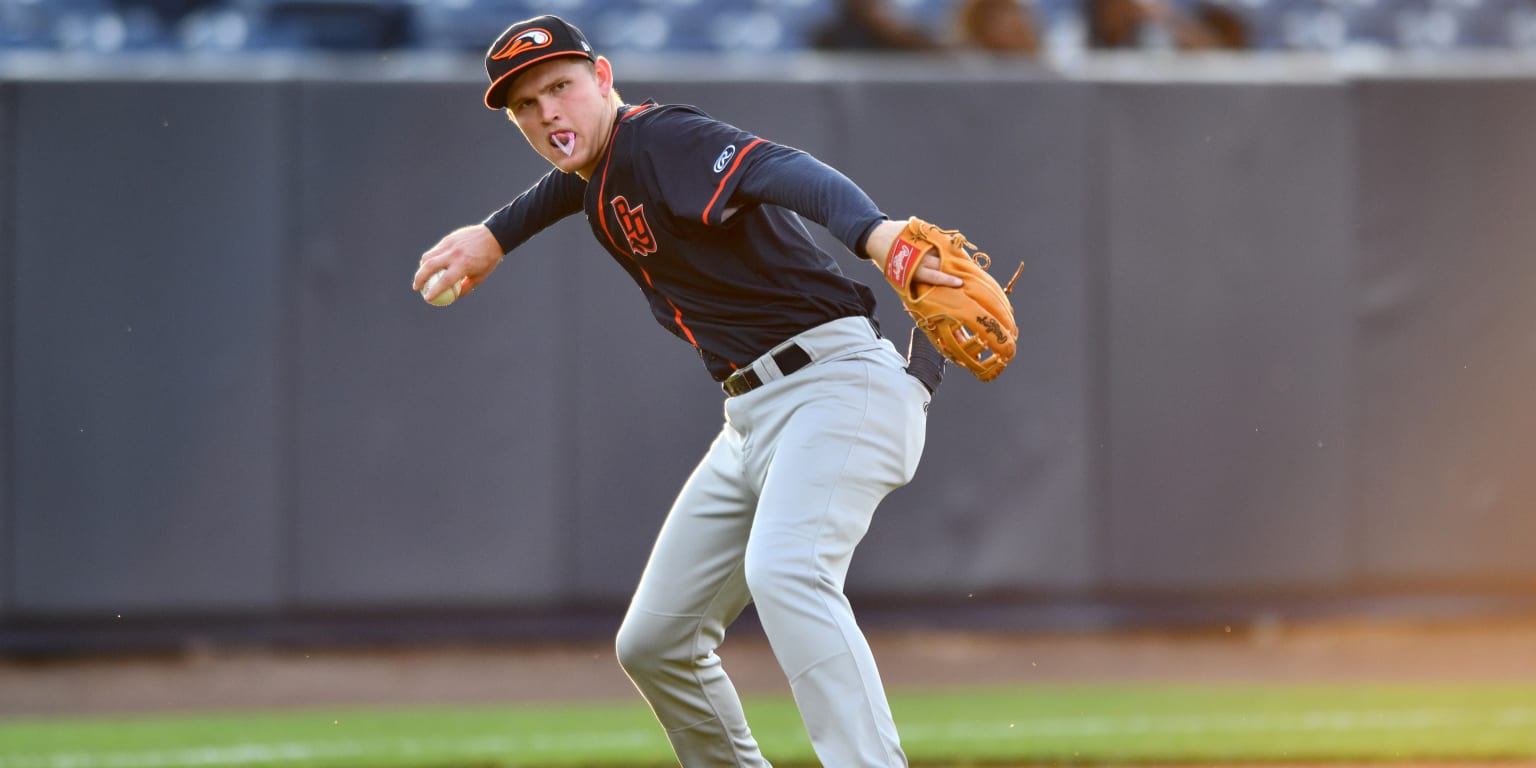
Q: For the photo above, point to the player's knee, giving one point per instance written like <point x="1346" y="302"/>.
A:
<point x="772" y="579"/>
<point x="647" y="644"/>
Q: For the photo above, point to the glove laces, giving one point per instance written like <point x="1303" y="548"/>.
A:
<point x="982" y="260"/>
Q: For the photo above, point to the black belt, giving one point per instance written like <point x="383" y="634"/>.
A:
<point x="789" y="359"/>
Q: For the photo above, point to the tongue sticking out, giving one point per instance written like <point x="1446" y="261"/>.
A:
<point x="565" y="141"/>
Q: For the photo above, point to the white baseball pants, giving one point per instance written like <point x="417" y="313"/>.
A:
<point x="772" y="515"/>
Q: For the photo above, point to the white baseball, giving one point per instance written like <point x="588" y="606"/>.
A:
<point x="435" y="294"/>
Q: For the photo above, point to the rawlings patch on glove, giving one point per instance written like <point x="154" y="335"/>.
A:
<point x="973" y="324"/>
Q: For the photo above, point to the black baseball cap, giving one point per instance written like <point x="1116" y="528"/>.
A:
<point x="527" y="43"/>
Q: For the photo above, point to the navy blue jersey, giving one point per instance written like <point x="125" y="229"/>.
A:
<point x="702" y="216"/>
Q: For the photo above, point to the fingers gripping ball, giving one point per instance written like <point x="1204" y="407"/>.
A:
<point x="972" y="325"/>
<point x="437" y="294"/>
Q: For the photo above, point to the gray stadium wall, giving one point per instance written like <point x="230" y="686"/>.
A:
<point x="1275" y="335"/>
<point x="149" y="282"/>
<point x="1223" y="234"/>
<point x="7" y="334"/>
<point x="1445" y="357"/>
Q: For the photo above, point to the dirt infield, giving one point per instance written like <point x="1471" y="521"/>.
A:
<point x="1502" y="651"/>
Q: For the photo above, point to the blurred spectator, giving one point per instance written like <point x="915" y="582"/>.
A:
<point x="1002" y="26"/>
<point x="1228" y="29"/>
<point x="870" y="25"/>
<point x="1130" y="24"/>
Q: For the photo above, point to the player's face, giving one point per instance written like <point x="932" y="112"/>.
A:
<point x="562" y="108"/>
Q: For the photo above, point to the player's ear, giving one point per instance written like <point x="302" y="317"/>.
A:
<point x="604" y="72"/>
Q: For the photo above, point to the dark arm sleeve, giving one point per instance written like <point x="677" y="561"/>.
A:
<point x="792" y="179"/>
<point x="705" y="169"/>
<point x="553" y="198"/>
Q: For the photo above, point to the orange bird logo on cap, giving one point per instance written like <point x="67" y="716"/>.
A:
<point x="531" y="40"/>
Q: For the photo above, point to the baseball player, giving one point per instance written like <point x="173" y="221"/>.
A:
<point x="822" y="417"/>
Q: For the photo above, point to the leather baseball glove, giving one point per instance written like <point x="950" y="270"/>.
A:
<point x="973" y="324"/>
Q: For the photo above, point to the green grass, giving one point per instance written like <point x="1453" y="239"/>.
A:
<point x="1076" y="724"/>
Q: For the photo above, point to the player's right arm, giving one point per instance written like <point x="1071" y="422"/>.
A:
<point x="470" y="254"/>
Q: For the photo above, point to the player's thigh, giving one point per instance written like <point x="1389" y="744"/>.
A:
<point x="837" y="457"/>
<point x="858" y="436"/>
<point x="695" y="564"/>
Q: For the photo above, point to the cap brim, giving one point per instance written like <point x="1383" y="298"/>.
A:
<point x="496" y="95"/>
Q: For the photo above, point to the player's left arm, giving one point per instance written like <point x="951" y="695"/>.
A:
<point x="707" y="170"/>
<point x="969" y="320"/>
<point x="794" y="179"/>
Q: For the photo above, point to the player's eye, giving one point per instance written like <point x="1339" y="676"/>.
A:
<point x="560" y="86"/>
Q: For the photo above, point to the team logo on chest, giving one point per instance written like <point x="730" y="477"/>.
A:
<point x="632" y="220"/>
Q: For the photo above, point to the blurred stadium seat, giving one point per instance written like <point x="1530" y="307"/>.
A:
<point x="62" y="24"/>
<point x="1499" y="24"/>
<point x="711" y="26"/>
<point x="462" y="24"/>
<point x="337" y="24"/>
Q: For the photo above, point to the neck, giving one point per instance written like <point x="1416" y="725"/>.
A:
<point x="606" y="132"/>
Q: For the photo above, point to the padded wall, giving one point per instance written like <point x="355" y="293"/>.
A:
<point x="148" y="279"/>
<point x="1223" y="227"/>
<point x="1446" y="360"/>
<point x="7" y="364"/>
<point x="1275" y="335"/>
<point x="433" y="450"/>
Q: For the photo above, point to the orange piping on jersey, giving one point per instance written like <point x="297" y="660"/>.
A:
<point x="677" y="317"/>
<point x="602" y="217"/>
<point x="602" y="207"/>
<point x="727" y="177"/>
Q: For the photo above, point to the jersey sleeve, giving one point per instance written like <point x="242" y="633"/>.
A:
<point x="553" y="198"/>
<point x="790" y="178"/>
<point x="695" y="162"/>
<point x="705" y="169"/>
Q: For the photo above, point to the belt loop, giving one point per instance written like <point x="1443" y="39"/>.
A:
<point x="790" y="358"/>
<point x="783" y="361"/>
<point x="796" y="353"/>
<point x="767" y="367"/>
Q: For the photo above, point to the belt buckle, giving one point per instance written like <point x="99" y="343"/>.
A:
<point x="736" y="384"/>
